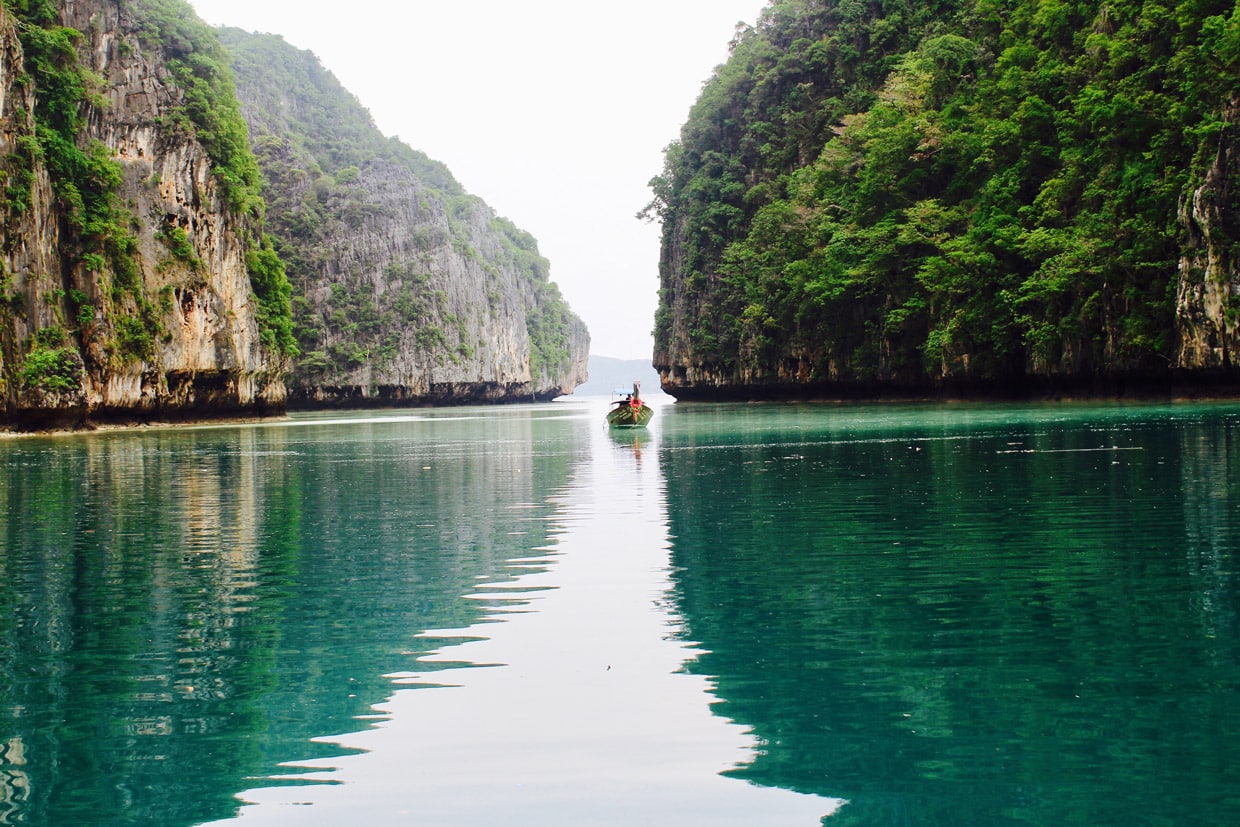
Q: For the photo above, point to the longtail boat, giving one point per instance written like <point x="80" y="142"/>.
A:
<point x="630" y="412"/>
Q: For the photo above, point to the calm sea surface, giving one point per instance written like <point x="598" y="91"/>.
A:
<point x="745" y="615"/>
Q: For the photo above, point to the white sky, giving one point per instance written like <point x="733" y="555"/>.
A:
<point x="554" y="112"/>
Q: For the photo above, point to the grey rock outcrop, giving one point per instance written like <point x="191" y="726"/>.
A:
<point x="407" y="290"/>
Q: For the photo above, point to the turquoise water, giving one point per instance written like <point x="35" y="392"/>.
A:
<point x="750" y="615"/>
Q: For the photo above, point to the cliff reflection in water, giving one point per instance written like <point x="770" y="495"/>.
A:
<point x="969" y="615"/>
<point x="180" y="611"/>
<point x="573" y="709"/>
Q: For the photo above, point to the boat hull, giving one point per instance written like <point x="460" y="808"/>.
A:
<point x="627" y="416"/>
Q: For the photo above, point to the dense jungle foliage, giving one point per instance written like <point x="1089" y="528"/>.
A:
<point x="322" y="155"/>
<point x="978" y="189"/>
<point x="87" y="180"/>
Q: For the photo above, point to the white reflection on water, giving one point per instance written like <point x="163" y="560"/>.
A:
<point x="587" y="717"/>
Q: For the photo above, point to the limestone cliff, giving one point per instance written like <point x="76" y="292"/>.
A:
<point x="406" y="288"/>
<point x="126" y="256"/>
<point x="945" y="205"/>
<point x="137" y="281"/>
<point x="1209" y="283"/>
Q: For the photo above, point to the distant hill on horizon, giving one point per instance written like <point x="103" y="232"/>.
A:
<point x="608" y="374"/>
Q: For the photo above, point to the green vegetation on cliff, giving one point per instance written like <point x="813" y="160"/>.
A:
<point x="83" y="174"/>
<point x="200" y="68"/>
<point x="965" y="189"/>
<point x="296" y="98"/>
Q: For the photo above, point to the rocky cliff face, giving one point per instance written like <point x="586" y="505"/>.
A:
<point x="1209" y="284"/>
<point x="406" y="288"/>
<point x="128" y="295"/>
<point x="30" y="254"/>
